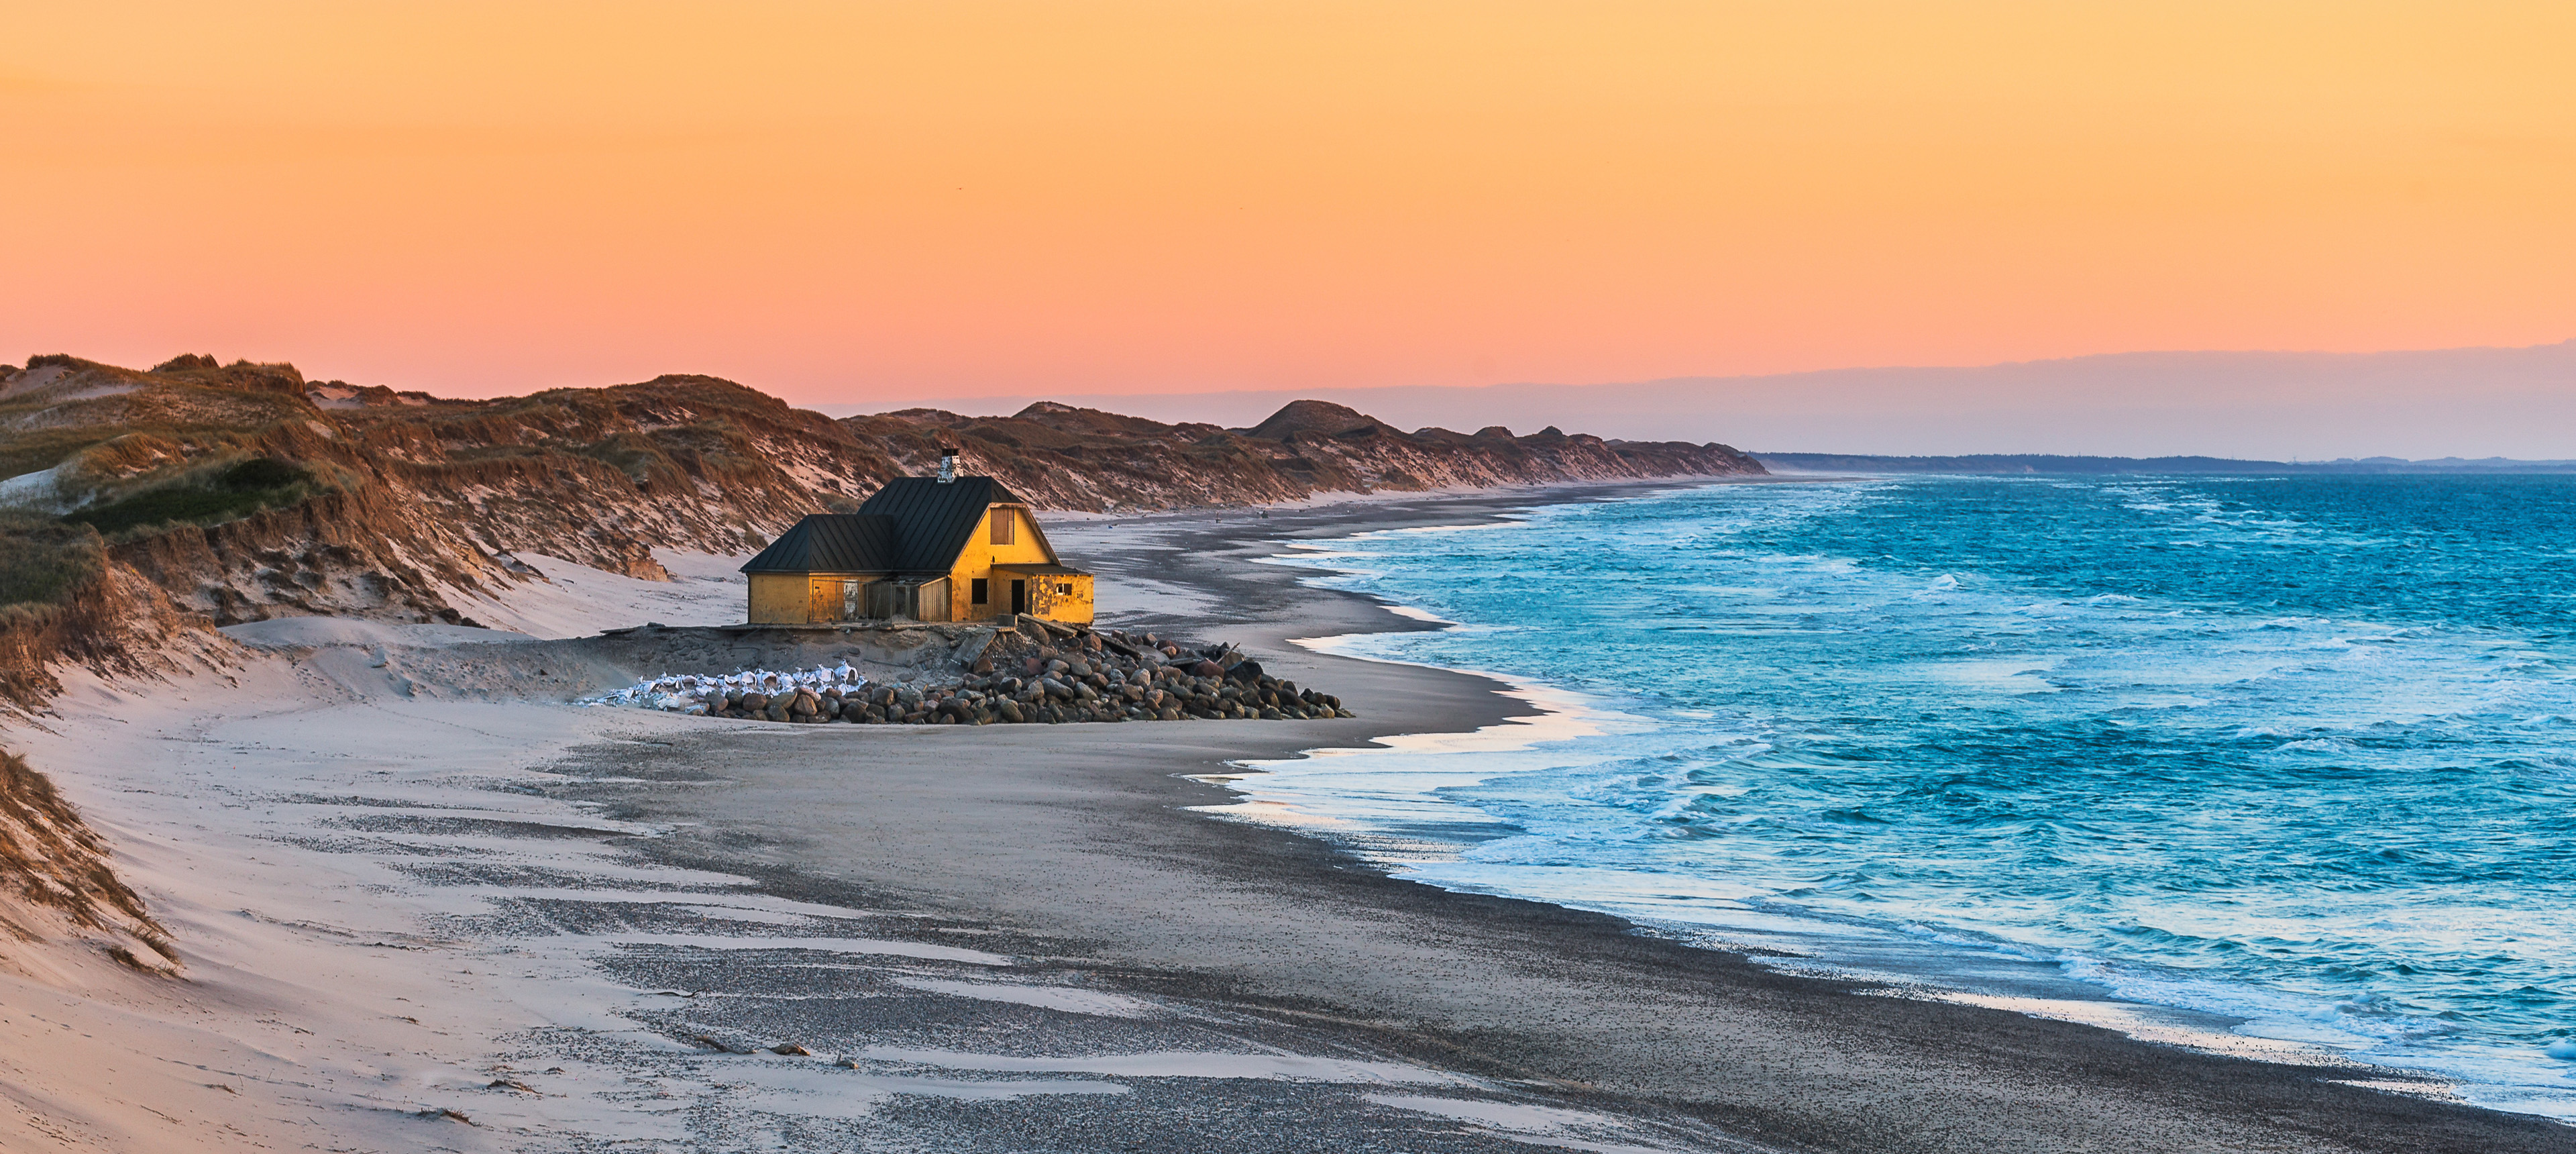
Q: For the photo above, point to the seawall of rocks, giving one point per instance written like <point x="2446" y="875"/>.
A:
<point x="1043" y="673"/>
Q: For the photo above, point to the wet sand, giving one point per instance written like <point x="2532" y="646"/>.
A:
<point x="1083" y="839"/>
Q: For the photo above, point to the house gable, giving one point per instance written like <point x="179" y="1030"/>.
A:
<point x="937" y="518"/>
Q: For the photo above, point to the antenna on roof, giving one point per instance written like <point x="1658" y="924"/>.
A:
<point x="947" y="463"/>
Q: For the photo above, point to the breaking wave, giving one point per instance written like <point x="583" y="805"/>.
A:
<point x="2281" y="759"/>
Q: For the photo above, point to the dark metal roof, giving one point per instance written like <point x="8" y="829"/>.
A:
<point x="913" y="525"/>
<point x="935" y="519"/>
<point x="831" y="543"/>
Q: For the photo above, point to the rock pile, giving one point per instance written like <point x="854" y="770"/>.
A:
<point x="1040" y="673"/>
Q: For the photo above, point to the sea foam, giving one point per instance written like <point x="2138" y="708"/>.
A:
<point x="2281" y="775"/>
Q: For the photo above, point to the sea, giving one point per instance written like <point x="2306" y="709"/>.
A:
<point x="2280" y="766"/>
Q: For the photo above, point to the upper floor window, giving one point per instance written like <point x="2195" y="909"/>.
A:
<point x="1005" y="524"/>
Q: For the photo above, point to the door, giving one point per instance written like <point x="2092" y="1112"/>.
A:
<point x="850" y="600"/>
<point x="1019" y="596"/>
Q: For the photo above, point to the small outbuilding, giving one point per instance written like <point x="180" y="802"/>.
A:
<point x="943" y="548"/>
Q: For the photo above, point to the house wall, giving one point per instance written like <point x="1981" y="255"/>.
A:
<point x="979" y="556"/>
<point x="935" y="601"/>
<point x="780" y="598"/>
<point x="1064" y="597"/>
<point x="824" y="600"/>
<point x="800" y="598"/>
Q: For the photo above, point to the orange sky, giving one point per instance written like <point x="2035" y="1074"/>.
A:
<point x="858" y="203"/>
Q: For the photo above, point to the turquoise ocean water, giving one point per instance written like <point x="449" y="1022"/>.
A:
<point x="2289" y="763"/>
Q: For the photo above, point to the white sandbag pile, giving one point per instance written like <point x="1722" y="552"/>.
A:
<point x="705" y="694"/>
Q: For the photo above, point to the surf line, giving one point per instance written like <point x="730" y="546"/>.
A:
<point x="1374" y="816"/>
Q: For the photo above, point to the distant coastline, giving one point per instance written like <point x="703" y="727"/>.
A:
<point x="2052" y="463"/>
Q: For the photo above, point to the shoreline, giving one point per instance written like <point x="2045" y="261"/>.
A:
<point x="2194" y="1093"/>
<point x="1795" y="942"/>
<point x="579" y="926"/>
<point x="2266" y="1017"/>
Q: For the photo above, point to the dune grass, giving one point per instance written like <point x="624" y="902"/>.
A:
<point x="236" y="492"/>
<point x="44" y="561"/>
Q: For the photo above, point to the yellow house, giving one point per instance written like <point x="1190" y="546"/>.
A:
<point x="943" y="548"/>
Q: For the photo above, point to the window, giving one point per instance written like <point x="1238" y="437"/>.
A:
<point x="981" y="589"/>
<point x="1005" y="525"/>
<point x="1064" y="587"/>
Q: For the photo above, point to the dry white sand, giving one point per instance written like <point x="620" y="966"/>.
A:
<point x="574" y="601"/>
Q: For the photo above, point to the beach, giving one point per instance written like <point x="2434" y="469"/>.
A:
<point x="465" y="915"/>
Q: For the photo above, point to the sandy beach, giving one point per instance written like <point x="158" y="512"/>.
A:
<point x="425" y="904"/>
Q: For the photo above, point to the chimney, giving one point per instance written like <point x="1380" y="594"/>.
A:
<point x="947" y="463"/>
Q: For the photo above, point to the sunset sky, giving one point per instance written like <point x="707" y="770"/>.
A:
<point x="860" y="204"/>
